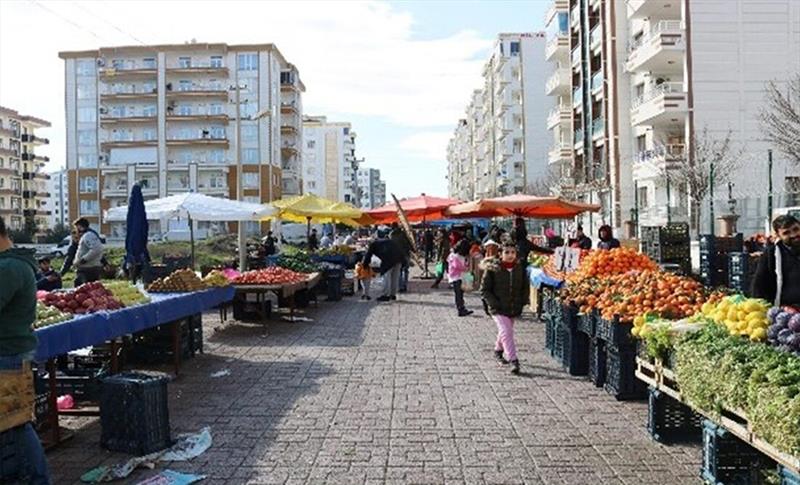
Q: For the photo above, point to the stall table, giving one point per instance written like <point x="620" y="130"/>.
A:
<point x="285" y="291"/>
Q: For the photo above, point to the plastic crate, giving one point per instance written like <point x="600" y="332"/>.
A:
<point x="621" y="381"/>
<point x="575" y="357"/>
<point x="741" y="269"/>
<point x="41" y="403"/>
<point x="615" y="333"/>
<point x="134" y="415"/>
<point x="559" y="337"/>
<point x="671" y="421"/>
<point x="727" y="460"/>
<point x="787" y="476"/>
<point x="668" y="233"/>
<point x="549" y="334"/>
<point x="10" y="460"/>
<point x="586" y="323"/>
<point x="568" y="317"/>
<point x="597" y="362"/>
<point x="196" y="333"/>
<point x="333" y="284"/>
<point x="719" y="244"/>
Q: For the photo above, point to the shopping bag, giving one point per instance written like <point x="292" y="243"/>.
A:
<point x="439" y="269"/>
<point x="469" y="281"/>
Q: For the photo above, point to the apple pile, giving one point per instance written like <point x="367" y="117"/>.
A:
<point x="126" y="292"/>
<point x="216" y="279"/>
<point x="48" y="315"/>
<point x="274" y="275"/>
<point x="87" y="298"/>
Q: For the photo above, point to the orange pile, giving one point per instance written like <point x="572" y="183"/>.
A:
<point x="606" y="263"/>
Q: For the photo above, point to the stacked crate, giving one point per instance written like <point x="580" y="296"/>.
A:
<point x="741" y="269"/>
<point x="668" y="245"/>
<point x="620" y="359"/>
<point x="714" y="253"/>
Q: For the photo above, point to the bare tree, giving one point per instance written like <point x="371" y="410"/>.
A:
<point x="550" y="183"/>
<point x="780" y="117"/>
<point x="693" y="173"/>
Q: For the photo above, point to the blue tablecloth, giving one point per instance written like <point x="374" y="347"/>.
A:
<point x="94" y="329"/>
<point x="538" y="278"/>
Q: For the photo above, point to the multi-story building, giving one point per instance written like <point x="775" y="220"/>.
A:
<point x="23" y="183"/>
<point x="501" y="145"/>
<point x="372" y="190"/>
<point x="330" y="165"/>
<point x="636" y="81"/>
<point x="58" y="188"/>
<point x="292" y="90"/>
<point x="176" y="118"/>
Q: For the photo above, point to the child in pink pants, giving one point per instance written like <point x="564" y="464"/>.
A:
<point x="504" y="288"/>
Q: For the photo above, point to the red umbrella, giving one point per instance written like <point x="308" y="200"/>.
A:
<point x="521" y="205"/>
<point x="417" y="209"/>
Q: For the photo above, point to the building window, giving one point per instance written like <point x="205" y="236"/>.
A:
<point x="311" y="143"/>
<point x="86" y="91"/>
<point x="149" y="63"/>
<point x="85" y="67"/>
<point x="148" y="134"/>
<point x="514" y="47"/>
<point x="643" y="202"/>
<point x="87" y="161"/>
<point x="184" y="62"/>
<point x="87" y="184"/>
<point x="90" y="207"/>
<point x="148" y="87"/>
<point x="185" y="110"/>
<point x="217" y="155"/>
<point x="216" y="182"/>
<point x="87" y="115"/>
<point x="216" y="109"/>
<point x="184" y="85"/>
<point x="249" y="132"/>
<point x="216" y="61"/>
<point x="149" y="110"/>
<point x="248" y="62"/>
<point x="249" y="109"/>
<point x="87" y="137"/>
<point x="217" y="132"/>
<point x="250" y="180"/>
<point x="250" y="156"/>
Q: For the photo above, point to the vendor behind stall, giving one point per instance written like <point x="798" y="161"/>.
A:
<point x="47" y="278"/>
<point x="607" y="239"/>
<point x="777" y="277"/>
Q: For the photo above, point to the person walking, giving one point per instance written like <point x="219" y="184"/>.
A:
<point x="399" y="236"/>
<point x="89" y="255"/>
<point x="391" y="259"/>
<point x="18" y="342"/>
<point x="456" y="268"/>
<point x="504" y="288"/>
<point x="442" y="253"/>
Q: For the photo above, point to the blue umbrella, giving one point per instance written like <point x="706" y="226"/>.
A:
<point x="136" y="254"/>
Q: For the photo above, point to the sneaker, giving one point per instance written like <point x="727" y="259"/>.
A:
<point x="465" y="313"/>
<point x="363" y="297"/>
<point x="394" y="297"/>
<point x="367" y="297"/>
<point x="384" y="298"/>
<point x="515" y="367"/>
<point x="498" y="355"/>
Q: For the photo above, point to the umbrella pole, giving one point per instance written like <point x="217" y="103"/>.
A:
<point x="191" y="238"/>
<point x="425" y="274"/>
<point x="308" y="228"/>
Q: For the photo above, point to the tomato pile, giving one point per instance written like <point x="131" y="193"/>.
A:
<point x="606" y="263"/>
<point x="274" y="275"/>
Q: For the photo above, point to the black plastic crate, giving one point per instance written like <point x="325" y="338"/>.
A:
<point x="575" y="357"/>
<point x="671" y="421"/>
<point x="621" y="381"/>
<point x="586" y="323"/>
<point x="41" y="401"/>
<point x="597" y="362"/>
<point x="134" y="415"/>
<point x="787" y="476"/>
<point x="668" y="233"/>
<point x="723" y="245"/>
<point x="549" y="334"/>
<point x="333" y="284"/>
<point x="615" y="333"/>
<point x="727" y="460"/>
<point x="196" y="333"/>
<point x="559" y="337"/>
<point x="10" y="460"/>
<point x="568" y="317"/>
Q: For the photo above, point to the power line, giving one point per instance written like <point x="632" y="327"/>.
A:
<point x="124" y="32"/>
<point x="65" y="19"/>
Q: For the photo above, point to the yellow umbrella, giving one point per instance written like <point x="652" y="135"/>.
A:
<point x="310" y="208"/>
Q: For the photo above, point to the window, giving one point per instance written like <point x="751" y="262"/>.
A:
<point x="248" y="62"/>
<point x="87" y="137"/>
<point x="216" y="182"/>
<point x="514" y="48"/>
<point x="643" y="202"/>
<point x="86" y="91"/>
<point x="87" y="115"/>
<point x="149" y="63"/>
<point x="216" y="61"/>
<point x="149" y="134"/>
<point x="118" y="111"/>
<point x="214" y="85"/>
<point x="184" y="85"/>
<point x="185" y="110"/>
<point x="87" y="184"/>
<point x="250" y="180"/>
<point x="217" y="132"/>
<point x="85" y="67"/>
<point x="184" y="62"/>
<point x="250" y="156"/>
<point x="149" y="110"/>
<point x="216" y="155"/>
<point x="346" y="131"/>
<point x="249" y="109"/>
<point x="87" y="161"/>
<point x="249" y="133"/>
<point x="148" y="87"/>
<point x="90" y="207"/>
<point x="216" y="109"/>
<point x="311" y="143"/>
<point x="187" y="156"/>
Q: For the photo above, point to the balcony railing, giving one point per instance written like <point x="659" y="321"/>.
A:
<point x="598" y="127"/>
<point x="577" y="97"/>
<point x="28" y="138"/>
<point x="595" y="36"/>
<point x="574" y="16"/>
<point x="669" y="152"/>
<point x="657" y="90"/>
<point x="578" y="137"/>
<point x="597" y="82"/>
<point x="575" y="56"/>
<point x="662" y="26"/>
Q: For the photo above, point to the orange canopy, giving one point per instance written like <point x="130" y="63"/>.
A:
<point x="521" y="205"/>
<point x="424" y="207"/>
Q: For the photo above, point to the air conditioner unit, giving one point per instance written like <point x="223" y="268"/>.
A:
<point x="102" y="158"/>
<point x="103" y="110"/>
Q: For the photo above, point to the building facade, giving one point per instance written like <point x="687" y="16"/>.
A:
<point x="500" y="147"/>
<point x="330" y="166"/>
<point x="58" y="204"/>
<point x="372" y="190"/>
<point x="176" y="118"/>
<point x="23" y="183"/>
<point x="292" y="90"/>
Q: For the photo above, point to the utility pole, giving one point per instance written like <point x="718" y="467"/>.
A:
<point x="238" y="159"/>
<point x="669" y="199"/>
<point x="711" y="197"/>
<point x="769" y="192"/>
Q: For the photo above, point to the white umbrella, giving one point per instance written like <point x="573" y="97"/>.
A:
<point x="198" y="207"/>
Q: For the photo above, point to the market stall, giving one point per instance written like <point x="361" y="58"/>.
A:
<point x="417" y="209"/>
<point x="252" y="287"/>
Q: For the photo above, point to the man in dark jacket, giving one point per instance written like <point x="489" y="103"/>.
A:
<point x="391" y="257"/>
<point x="581" y="240"/>
<point x="18" y="342"/>
<point x="400" y="238"/>
<point x="69" y="258"/>
<point x="777" y="277"/>
<point x="47" y="279"/>
<point x="607" y="239"/>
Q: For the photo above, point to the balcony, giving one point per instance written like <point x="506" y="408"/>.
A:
<point x="11" y="191"/>
<point x="29" y="194"/>
<point x="575" y="57"/>
<point x="105" y="145"/>
<point x="653" y="163"/>
<point x="577" y="99"/>
<point x="138" y="119"/>
<point x="660" y="50"/>
<point x="598" y="128"/>
<point x="8" y="171"/>
<point x="207" y="188"/>
<point x="578" y="139"/>
<point x="202" y="140"/>
<point x="197" y="91"/>
<point x="289" y="108"/>
<point x="289" y="129"/>
<point x="559" y="154"/>
<point x="575" y="16"/>
<point x="596" y="37"/>
<point x="10" y="132"/>
<point x="597" y="83"/>
<point x="557" y="47"/>
<point x="215" y="118"/>
<point x="561" y="114"/>
<point x="653" y="10"/>
<point x="42" y="176"/>
<point x="123" y="73"/>
<point x="107" y="97"/>
<point x="34" y="157"/>
<point x="28" y="138"/>
<point x="116" y="189"/>
<point x="9" y="152"/>
<point x="662" y="105"/>
<point x="556" y="6"/>
<point x="558" y="83"/>
<point x="199" y="69"/>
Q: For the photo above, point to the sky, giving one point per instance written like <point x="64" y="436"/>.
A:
<point x="400" y="71"/>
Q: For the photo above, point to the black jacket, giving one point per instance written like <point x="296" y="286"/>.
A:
<point x="69" y="258"/>
<point x="765" y="281"/>
<point x="387" y="251"/>
<point x="505" y="292"/>
<point x="608" y="244"/>
<point x="401" y="239"/>
<point x="43" y="282"/>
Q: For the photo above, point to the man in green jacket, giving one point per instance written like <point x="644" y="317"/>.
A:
<point x="17" y="340"/>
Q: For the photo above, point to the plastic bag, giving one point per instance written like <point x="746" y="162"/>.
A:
<point x="469" y="280"/>
<point x="439" y="269"/>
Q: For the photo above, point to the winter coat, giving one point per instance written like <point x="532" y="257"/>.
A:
<point x="90" y="251"/>
<point x="387" y="251"/>
<point x="456" y="267"/>
<point x="442" y="249"/>
<point x="17" y="301"/>
<point x="401" y="239"/>
<point x="504" y="291"/>
<point x="608" y="244"/>
<point x="765" y="281"/>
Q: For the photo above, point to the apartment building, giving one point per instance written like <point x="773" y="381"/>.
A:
<point x="175" y="118"/>
<point x="330" y="166"/>
<point x="634" y="81"/>
<point x="292" y="90"/>
<point x="371" y="188"/>
<point x="58" y="203"/>
<point x="500" y="147"/>
<point x="23" y="183"/>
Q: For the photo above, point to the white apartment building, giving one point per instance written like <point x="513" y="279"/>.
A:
<point x="23" y="183"/>
<point x="292" y="90"/>
<point x="633" y="81"/>
<point x="176" y="118"/>
<point x="58" y="203"/>
<point x="502" y="147"/>
<point x="371" y="189"/>
<point x="329" y="159"/>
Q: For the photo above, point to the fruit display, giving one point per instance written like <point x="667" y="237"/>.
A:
<point x="615" y="261"/>
<point x="537" y="260"/>
<point x="660" y="334"/>
<point x="274" y="275"/>
<point x="126" y="292"/>
<point x="180" y="281"/>
<point x="298" y="265"/>
<point x="340" y="250"/>
<point x="740" y="315"/>
<point x="215" y="279"/>
<point x="550" y="267"/>
<point x="784" y="329"/>
<point x="49" y="315"/>
<point x="87" y="298"/>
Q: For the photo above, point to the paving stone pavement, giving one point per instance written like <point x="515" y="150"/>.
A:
<point x="399" y="393"/>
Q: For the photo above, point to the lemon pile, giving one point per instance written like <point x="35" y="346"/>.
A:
<point x="740" y="315"/>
